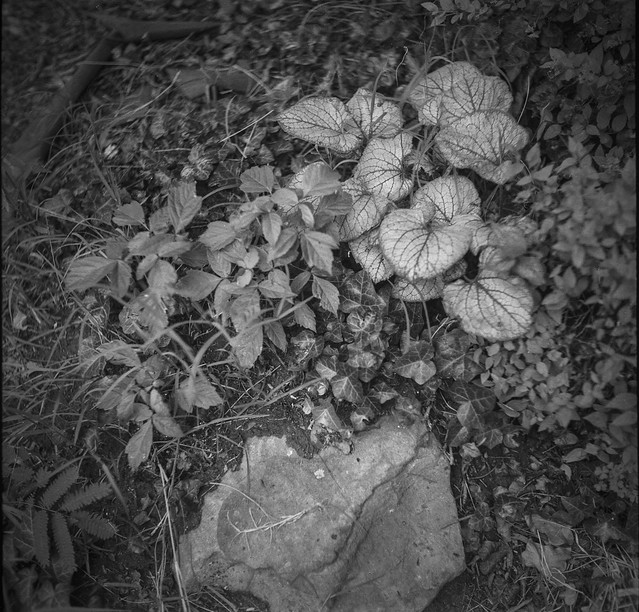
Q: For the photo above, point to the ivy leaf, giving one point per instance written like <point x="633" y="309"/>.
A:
<point x="366" y="212"/>
<point x="418" y="290"/>
<point x="218" y="234"/>
<point x="373" y="115"/>
<point x="346" y="385"/>
<point x="139" y="446"/>
<point x="416" y="363"/>
<point x="365" y="325"/>
<point x="317" y="249"/>
<point x="381" y="167"/>
<point x="489" y="436"/>
<point x="456" y="392"/>
<point x="482" y="141"/>
<point x="326" y="293"/>
<point x="419" y="248"/>
<point x="367" y="252"/>
<point x="324" y="414"/>
<point x="183" y="205"/>
<point x="468" y="416"/>
<point x="257" y="179"/>
<point x="447" y="196"/>
<point x="128" y="215"/>
<point x="326" y="366"/>
<point x="383" y="392"/>
<point x="322" y="121"/>
<point x="455" y="91"/>
<point x="491" y="307"/>
<point x="452" y="358"/>
<point x="358" y="293"/>
<point x="196" y="284"/>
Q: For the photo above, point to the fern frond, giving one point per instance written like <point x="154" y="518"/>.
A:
<point x="41" y="537"/>
<point x="84" y="497"/>
<point x="60" y="486"/>
<point x="93" y="524"/>
<point x="42" y="477"/>
<point x="63" y="543"/>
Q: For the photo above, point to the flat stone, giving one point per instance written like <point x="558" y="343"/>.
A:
<point x="372" y="531"/>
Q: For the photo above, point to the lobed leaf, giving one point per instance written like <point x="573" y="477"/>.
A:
<point x="322" y="121"/>
<point x="346" y="385"/>
<point x="358" y="294"/>
<point x="416" y="363"/>
<point x="452" y="358"/>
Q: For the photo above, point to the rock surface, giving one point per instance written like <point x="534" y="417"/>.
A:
<point x="372" y="531"/>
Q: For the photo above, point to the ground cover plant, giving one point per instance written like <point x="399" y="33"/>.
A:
<point x="427" y="210"/>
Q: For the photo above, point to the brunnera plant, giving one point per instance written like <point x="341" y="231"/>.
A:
<point x="422" y="237"/>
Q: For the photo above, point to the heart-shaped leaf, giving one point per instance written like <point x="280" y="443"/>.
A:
<point x="373" y="115"/>
<point x="446" y="197"/>
<point x="491" y="307"/>
<point x="457" y="90"/>
<point x="346" y="385"/>
<point x="419" y="248"/>
<point x="322" y="121"/>
<point x="381" y="167"/>
<point x="366" y="212"/>
<point x="456" y="392"/>
<point x="367" y="252"/>
<point x="482" y="141"/>
<point x="358" y="294"/>
<point x="452" y="358"/>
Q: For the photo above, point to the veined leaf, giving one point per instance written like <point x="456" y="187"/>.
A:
<point x="162" y="278"/>
<point x="417" y="362"/>
<point x="457" y="90"/>
<point x="245" y="309"/>
<point x="491" y="307"/>
<point x="446" y="197"/>
<point x="197" y="392"/>
<point x="271" y="226"/>
<point x="322" y="121"/>
<point x="248" y="345"/>
<point x="418" y="248"/>
<point x="381" y="167"/>
<point x="358" y="294"/>
<point x="346" y="385"/>
<point x="316" y="179"/>
<point x="326" y="293"/>
<point x="374" y="116"/>
<point x="183" y="205"/>
<point x="274" y="331"/>
<point x="196" y="284"/>
<point x="305" y="317"/>
<point x="482" y="141"/>
<point x="276" y="285"/>
<point x="167" y="425"/>
<point x="366" y="212"/>
<point x="418" y="290"/>
<point x="87" y="272"/>
<point x="452" y="358"/>
<point x="367" y="252"/>
<point x="120" y="353"/>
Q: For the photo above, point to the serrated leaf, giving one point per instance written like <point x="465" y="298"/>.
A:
<point x="322" y="121"/>
<point x="286" y="243"/>
<point x="258" y="179"/>
<point x="493" y="308"/>
<point x="128" y="215"/>
<point x="452" y="358"/>
<point x="346" y="385"/>
<point x="248" y="345"/>
<point x="276" y="285"/>
<point x="139" y="446"/>
<point x="63" y="544"/>
<point x="167" y="426"/>
<point x="366" y="212"/>
<point x="85" y="496"/>
<point x="245" y="309"/>
<point x="482" y="141"/>
<point x="183" y="205"/>
<point x="286" y="199"/>
<point x="218" y="235"/>
<point x="316" y="179"/>
<point x="159" y="221"/>
<point x="274" y="331"/>
<point x="41" y="537"/>
<point x="317" y="250"/>
<point x="367" y="252"/>
<point x="445" y="197"/>
<point x="457" y="90"/>
<point x="417" y="362"/>
<point x="305" y="317"/>
<point x="373" y="115"/>
<point x="418" y="290"/>
<point x="162" y="278"/>
<point x="87" y="272"/>
<point x="381" y="167"/>
<point x="196" y="284"/>
<point x="509" y="239"/>
<point x="418" y="248"/>
<point x="326" y="293"/>
<point x="197" y="392"/>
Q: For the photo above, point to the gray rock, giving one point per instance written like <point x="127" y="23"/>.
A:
<point x="375" y="530"/>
